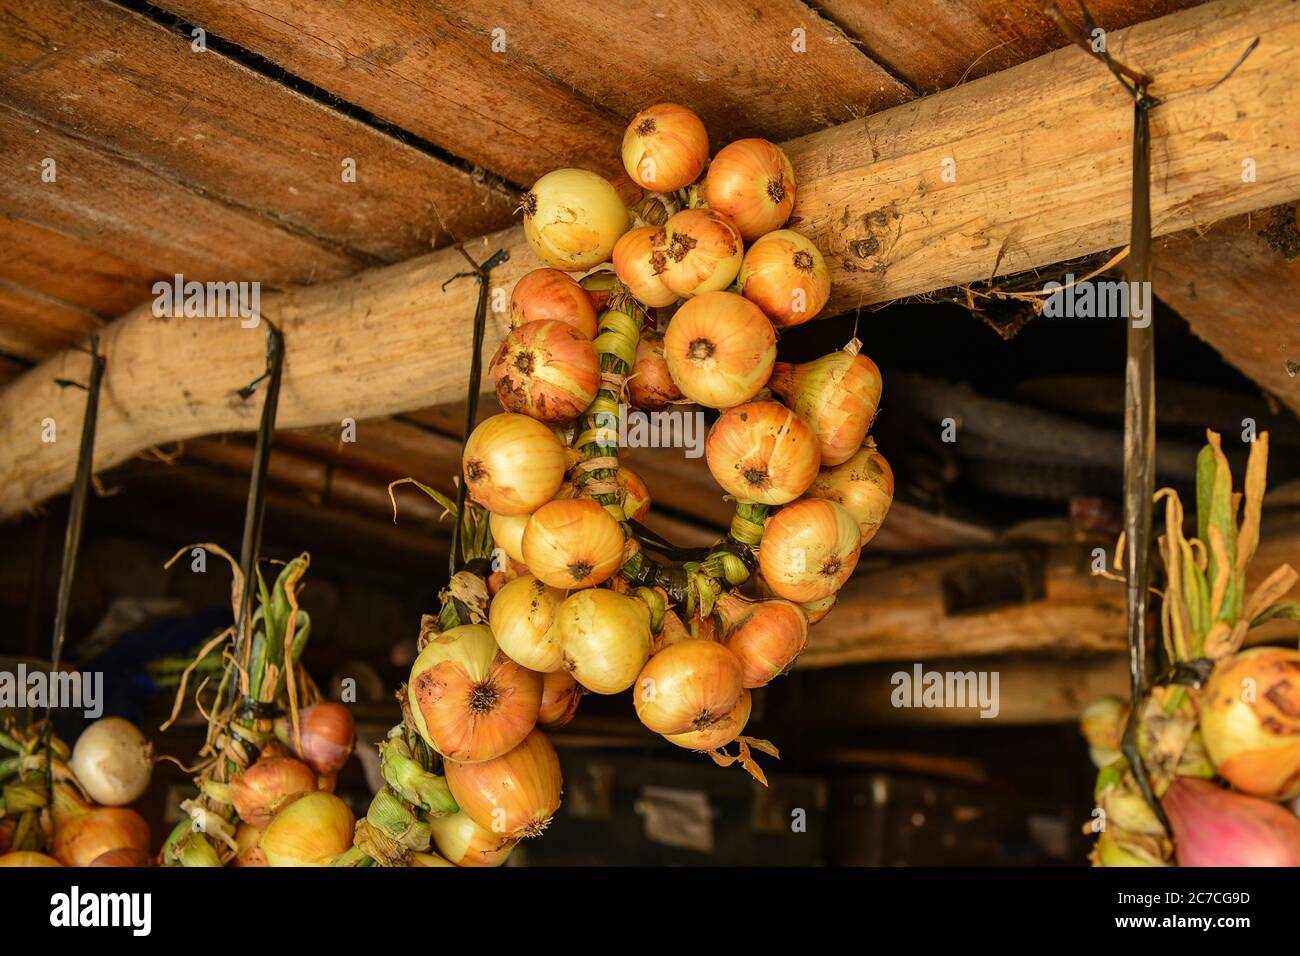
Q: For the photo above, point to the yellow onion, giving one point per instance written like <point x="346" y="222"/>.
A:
<point x="837" y="395"/>
<point x="752" y="181"/>
<point x="513" y="464"/>
<point x="640" y="258"/>
<point x="27" y="858"/>
<point x="560" y="696"/>
<point x="327" y="735"/>
<point x="721" y="733"/>
<point x="84" y="832"/>
<point x="468" y="700"/>
<point x="809" y="549"/>
<point x="688" y="686"/>
<point x="665" y="147"/>
<point x="428" y="859"/>
<point x="265" y="788"/>
<point x="720" y="349"/>
<point x="818" y="609"/>
<point x="636" y="496"/>
<point x="864" y="485"/>
<point x="572" y="543"/>
<point x="604" y="639"/>
<point x="651" y="386"/>
<point x="311" y="831"/>
<point x="248" y="853"/>
<point x="766" y="636"/>
<point x="522" y="615"/>
<point x="546" y="370"/>
<point x="785" y="275"/>
<point x="1250" y="721"/>
<point x="462" y="842"/>
<point x="508" y="534"/>
<point x="514" y="795"/>
<point x="572" y="218"/>
<point x="124" y="857"/>
<point x="548" y="295"/>
<point x="702" y="252"/>
<point x="762" y="451"/>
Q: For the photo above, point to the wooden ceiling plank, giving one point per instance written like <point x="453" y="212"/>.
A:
<point x="101" y="72"/>
<point x="33" y="324"/>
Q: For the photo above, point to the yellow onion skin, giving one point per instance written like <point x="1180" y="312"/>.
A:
<point x="269" y="785"/>
<point x="83" y="832"/>
<point x="462" y="842"/>
<point x="864" y="485"/>
<point x="837" y="395"/>
<point x="636" y="496"/>
<point x="548" y="295"/>
<point x="703" y="252"/>
<point x="640" y="258"/>
<point x="816" y="610"/>
<point x="722" y="732"/>
<point x="522" y="616"/>
<point x="720" y="349"/>
<point x="762" y="451"/>
<point x="604" y="639"/>
<point x="513" y="464"/>
<point x="767" y="637"/>
<point x="27" y="858"/>
<point x="688" y="686"/>
<point x="572" y="218"/>
<point x="560" y="696"/>
<point x="514" y="795"/>
<point x="508" y="534"/>
<point x="1255" y="744"/>
<point x="469" y="701"/>
<point x="808" y="550"/>
<point x="752" y="182"/>
<point x="311" y="831"/>
<point x="572" y="543"/>
<point x="651" y="386"/>
<point x="247" y="838"/>
<point x="785" y="275"/>
<point x="665" y="147"/>
<point x="547" y="371"/>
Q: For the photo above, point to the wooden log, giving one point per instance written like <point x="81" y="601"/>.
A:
<point x="1042" y="174"/>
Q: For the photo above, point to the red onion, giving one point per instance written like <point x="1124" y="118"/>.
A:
<point x="1216" y="827"/>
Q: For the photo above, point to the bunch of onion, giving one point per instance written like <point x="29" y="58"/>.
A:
<point x="112" y="761"/>
<point x="752" y="182"/>
<point x="703" y="252"/>
<point x="265" y="788"/>
<point x="604" y="639"/>
<point x="864" y="485"/>
<point x="522" y="616"/>
<point x="84" y="832"/>
<point x="548" y="295"/>
<point x="809" y="550"/>
<point x="560" y="697"/>
<point x="311" y="831"/>
<point x="762" y="452"/>
<point x="640" y="260"/>
<point x="651" y="386"/>
<point x="688" y="687"/>
<point x="468" y="700"/>
<point x="837" y="395"/>
<point x="513" y="464"/>
<point x="765" y="636"/>
<point x="720" y="349"/>
<point x="572" y="218"/>
<point x="784" y="274"/>
<point x="572" y="543"/>
<point x="1250" y="721"/>
<point x="1215" y="827"/>
<point x="546" y="370"/>
<point x="513" y="795"/>
<point x="326" y="737"/>
<point x="665" y="147"/>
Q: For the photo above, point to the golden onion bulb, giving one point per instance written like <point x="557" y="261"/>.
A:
<point x="513" y="464"/>
<point x="522" y="616"/>
<point x="720" y="349"/>
<point x="665" y="147"/>
<point x="762" y="451"/>
<point x="513" y="795"/>
<point x="785" y="275"/>
<point x="572" y="543"/>
<point x="572" y="218"/>
<point x="604" y="639"/>
<point x="809" y="549"/>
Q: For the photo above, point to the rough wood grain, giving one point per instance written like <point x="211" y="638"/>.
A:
<point x="33" y="324"/>
<point x="121" y="81"/>
<point x="569" y="76"/>
<point x="1043" y="174"/>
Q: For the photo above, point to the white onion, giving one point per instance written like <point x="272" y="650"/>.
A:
<point x="112" y="761"/>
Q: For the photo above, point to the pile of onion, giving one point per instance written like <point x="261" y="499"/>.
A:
<point x="720" y="349"/>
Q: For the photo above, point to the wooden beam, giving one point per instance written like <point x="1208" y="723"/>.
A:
<point x="1042" y="174"/>
<point x="34" y="324"/>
